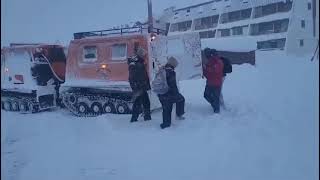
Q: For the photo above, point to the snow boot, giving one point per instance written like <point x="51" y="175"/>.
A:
<point x="181" y="118"/>
<point x="133" y="120"/>
<point x="163" y="126"/>
<point x="147" y="117"/>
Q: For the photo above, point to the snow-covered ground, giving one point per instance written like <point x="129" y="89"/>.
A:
<point x="269" y="132"/>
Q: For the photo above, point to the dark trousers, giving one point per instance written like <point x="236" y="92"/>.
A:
<point x="212" y="95"/>
<point x="167" y="102"/>
<point x="141" y="100"/>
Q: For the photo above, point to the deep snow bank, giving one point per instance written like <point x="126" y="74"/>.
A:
<point x="268" y="132"/>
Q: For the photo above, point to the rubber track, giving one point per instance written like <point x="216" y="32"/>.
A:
<point x="73" y="107"/>
<point x="27" y="100"/>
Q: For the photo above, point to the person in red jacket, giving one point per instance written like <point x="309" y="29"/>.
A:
<point x="213" y="71"/>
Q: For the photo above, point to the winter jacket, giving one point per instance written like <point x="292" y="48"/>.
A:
<point x="138" y="76"/>
<point x="173" y="94"/>
<point x="171" y="80"/>
<point x="213" y="71"/>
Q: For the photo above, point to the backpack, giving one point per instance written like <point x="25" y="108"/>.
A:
<point x="159" y="85"/>
<point x="227" y="67"/>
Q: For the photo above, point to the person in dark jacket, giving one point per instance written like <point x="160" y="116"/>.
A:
<point x="172" y="96"/>
<point x="140" y="84"/>
<point x="213" y="71"/>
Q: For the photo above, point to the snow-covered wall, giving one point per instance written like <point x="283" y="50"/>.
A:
<point x="300" y="39"/>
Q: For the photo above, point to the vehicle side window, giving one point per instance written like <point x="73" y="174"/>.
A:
<point x="89" y="54"/>
<point x="119" y="51"/>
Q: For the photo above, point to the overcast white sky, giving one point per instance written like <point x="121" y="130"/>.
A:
<point x="57" y="20"/>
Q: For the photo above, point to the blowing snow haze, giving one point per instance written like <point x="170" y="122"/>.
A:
<point x="55" y="21"/>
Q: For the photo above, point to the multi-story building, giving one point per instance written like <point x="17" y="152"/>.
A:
<point x="289" y="25"/>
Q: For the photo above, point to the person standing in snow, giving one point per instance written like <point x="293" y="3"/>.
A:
<point x="172" y="96"/>
<point x="213" y="71"/>
<point x="140" y="84"/>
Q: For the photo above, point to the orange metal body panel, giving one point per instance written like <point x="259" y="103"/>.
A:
<point x="115" y="69"/>
<point x="59" y="68"/>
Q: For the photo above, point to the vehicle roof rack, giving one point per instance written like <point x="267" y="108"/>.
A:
<point x="117" y="31"/>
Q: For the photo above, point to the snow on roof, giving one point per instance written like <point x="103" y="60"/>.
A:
<point x="114" y="36"/>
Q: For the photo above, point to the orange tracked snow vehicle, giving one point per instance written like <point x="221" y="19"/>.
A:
<point x="97" y="69"/>
<point x="30" y="76"/>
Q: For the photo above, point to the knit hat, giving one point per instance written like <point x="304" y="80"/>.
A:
<point x="214" y="52"/>
<point x="173" y="62"/>
<point x="141" y="52"/>
<point x="207" y="52"/>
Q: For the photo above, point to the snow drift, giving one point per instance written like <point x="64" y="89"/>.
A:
<point x="269" y="131"/>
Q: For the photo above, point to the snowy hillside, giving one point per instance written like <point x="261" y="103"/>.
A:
<point x="269" y="132"/>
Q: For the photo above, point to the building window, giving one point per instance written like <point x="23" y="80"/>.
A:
<point x="206" y="22"/>
<point x="174" y="27"/>
<point x="90" y="54"/>
<point x="237" y="30"/>
<point x="269" y="27"/>
<point x="272" y="9"/>
<point x="245" y="14"/>
<point x="207" y="34"/>
<point x="301" y="43"/>
<point x="271" y="44"/>
<point x="269" y="9"/>
<point x="265" y="28"/>
<point x="309" y="5"/>
<point x="224" y="32"/>
<point x="280" y="26"/>
<point x="236" y="15"/>
<point x="119" y="51"/>
<point x="303" y="24"/>
<point x="181" y="26"/>
<point x="284" y="6"/>
<point x="167" y="28"/>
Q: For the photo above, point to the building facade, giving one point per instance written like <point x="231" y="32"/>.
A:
<point x="288" y="25"/>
